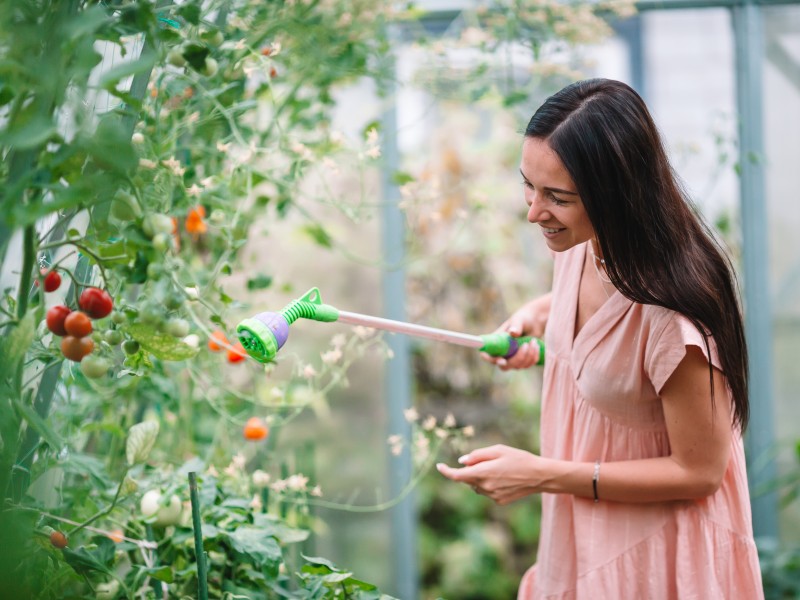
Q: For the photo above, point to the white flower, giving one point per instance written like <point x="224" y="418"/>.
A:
<point x="147" y="163"/>
<point x="279" y="485"/>
<point x="468" y="431"/>
<point x="221" y="147"/>
<point x="211" y="471"/>
<point x="411" y="414"/>
<point x="363" y="333"/>
<point x="207" y="182"/>
<point x="238" y="460"/>
<point x="449" y="420"/>
<point x="255" y="503"/>
<point x="440" y="433"/>
<point x="277" y="393"/>
<point x="374" y="152"/>
<point x="372" y="136"/>
<point x="194" y="190"/>
<point x="191" y="293"/>
<point x="309" y="372"/>
<point x="174" y="165"/>
<point x="297" y="482"/>
<point x="397" y="449"/>
<point x="429" y="423"/>
<point x="338" y="340"/>
<point x="137" y="138"/>
<point x="194" y="117"/>
<point x="274" y="48"/>
<point x="332" y="356"/>
<point x="260" y="478"/>
<point x="316" y="491"/>
<point x="240" y="44"/>
<point x="395" y="439"/>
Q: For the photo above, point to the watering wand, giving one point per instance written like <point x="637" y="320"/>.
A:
<point x="266" y="333"/>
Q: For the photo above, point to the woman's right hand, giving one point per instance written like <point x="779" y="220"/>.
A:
<point x="530" y="319"/>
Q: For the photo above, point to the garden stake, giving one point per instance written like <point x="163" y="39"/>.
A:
<point x="266" y="333"/>
<point x="202" y="573"/>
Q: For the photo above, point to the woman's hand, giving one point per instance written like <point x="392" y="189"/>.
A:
<point x="500" y="472"/>
<point x="531" y="319"/>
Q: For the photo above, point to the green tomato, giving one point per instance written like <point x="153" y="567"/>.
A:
<point x="211" y="67"/>
<point x="166" y="512"/>
<point x="125" y="207"/>
<point x="118" y="318"/>
<point x="107" y="590"/>
<point x="113" y="337"/>
<point x="162" y="242"/>
<point x="152" y="315"/>
<point x="178" y="328"/>
<point x="173" y="301"/>
<point x="94" y="367"/>
<point x="155" y="270"/>
<point x="156" y="223"/>
<point x="130" y="347"/>
<point x="175" y="58"/>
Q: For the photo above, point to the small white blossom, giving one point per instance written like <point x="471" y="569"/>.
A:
<point x="223" y="147"/>
<point x="238" y="460"/>
<point x="146" y="163"/>
<point x="194" y="117"/>
<point x="174" y="165"/>
<point x="194" y="190"/>
<point x="309" y="372"/>
<point x="255" y="503"/>
<point x="363" y="333"/>
<point x="372" y="136"/>
<point x="440" y="433"/>
<point x="240" y="44"/>
<point x="279" y="485"/>
<point x="316" y="491"/>
<point x="395" y="439"/>
<point x="374" y="152"/>
<point x="429" y="423"/>
<point x="332" y="356"/>
<point x="297" y="482"/>
<point x="211" y="471"/>
<point x="449" y="420"/>
<point x="191" y="293"/>
<point x="137" y="138"/>
<point x="468" y="431"/>
<point x="396" y="449"/>
<point x="411" y="414"/>
<point x="338" y="340"/>
<point x="277" y="393"/>
<point x="260" y="478"/>
<point x="207" y="182"/>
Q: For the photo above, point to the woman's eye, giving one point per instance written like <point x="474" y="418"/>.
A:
<point x="527" y="184"/>
<point x="555" y="200"/>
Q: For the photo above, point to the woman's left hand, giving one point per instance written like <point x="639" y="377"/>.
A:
<point x="500" y="472"/>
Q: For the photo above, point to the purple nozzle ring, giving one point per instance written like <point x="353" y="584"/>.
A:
<point x="263" y="335"/>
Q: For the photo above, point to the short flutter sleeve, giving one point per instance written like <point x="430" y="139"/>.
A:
<point x="672" y="334"/>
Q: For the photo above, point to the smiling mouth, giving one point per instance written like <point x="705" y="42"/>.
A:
<point x="553" y="229"/>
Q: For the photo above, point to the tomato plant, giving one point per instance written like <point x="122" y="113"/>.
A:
<point x="75" y="348"/>
<point x="52" y="281"/>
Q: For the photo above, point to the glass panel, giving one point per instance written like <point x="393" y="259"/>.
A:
<point x="782" y="146"/>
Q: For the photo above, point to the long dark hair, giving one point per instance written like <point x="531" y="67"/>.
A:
<point x="657" y="249"/>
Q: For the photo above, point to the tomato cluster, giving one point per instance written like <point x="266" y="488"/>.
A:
<point x="218" y="342"/>
<point x="76" y="328"/>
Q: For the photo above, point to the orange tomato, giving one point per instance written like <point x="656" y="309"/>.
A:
<point x="117" y="535"/>
<point x="217" y="338"/>
<point x="255" y="429"/>
<point x="75" y="348"/>
<point x="58" y="539"/>
<point x="195" y="224"/>
<point x="237" y="353"/>
<point x="78" y="324"/>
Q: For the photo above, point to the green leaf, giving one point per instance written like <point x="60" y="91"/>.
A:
<point x="39" y="425"/>
<point x="190" y="12"/>
<point x="402" y="178"/>
<point x="111" y="147"/>
<point x="15" y="344"/>
<point x="161" y="573"/>
<point x="161" y="345"/>
<point x="83" y="561"/>
<point x="260" y="548"/>
<point x="259" y="282"/>
<point x="195" y="55"/>
<point x="319" y="561"/>
<point x="141" y="439"/>
<point x="86" y="23"/>
<point x="318" y="234"/>
<point x="279" y="529"/>
<point x="32" y="127"/>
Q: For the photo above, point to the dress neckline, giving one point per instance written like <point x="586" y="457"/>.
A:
<point x="596" y="317"/>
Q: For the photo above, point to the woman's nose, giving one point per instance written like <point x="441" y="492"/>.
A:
<point x="534" y="209"/>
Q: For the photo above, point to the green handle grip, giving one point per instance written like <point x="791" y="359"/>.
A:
<point x="506" y="345"/>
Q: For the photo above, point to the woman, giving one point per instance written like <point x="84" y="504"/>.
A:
<point x="642" y="471"/>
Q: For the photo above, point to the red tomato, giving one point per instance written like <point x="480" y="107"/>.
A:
<point x="58" y="539"/>
<point x="52" y="281"/>
<point x="255" y="429"/>
<point x="216" y="340"/>
<point x="237" y="353"/>
<point x="55" y="319"/>
<point x="78" y="324"/>
<point x="75" y="348"/>
<point x="96" y="303"/>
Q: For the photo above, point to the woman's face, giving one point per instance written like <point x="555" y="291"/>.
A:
<point x="552" y="198"/>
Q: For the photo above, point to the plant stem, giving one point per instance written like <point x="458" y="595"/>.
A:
<point x="200" y="555"/>
<point x="103" y="512"/>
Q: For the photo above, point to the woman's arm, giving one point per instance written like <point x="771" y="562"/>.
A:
<point x="699" y="436"/>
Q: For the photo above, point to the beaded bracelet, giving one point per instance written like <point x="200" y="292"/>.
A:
<point x="595" y="479"/>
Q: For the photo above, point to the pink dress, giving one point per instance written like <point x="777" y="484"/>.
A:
<point x="601" y="401"/>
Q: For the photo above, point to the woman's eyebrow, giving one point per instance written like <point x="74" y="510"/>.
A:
<point x="552" y="189"/>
